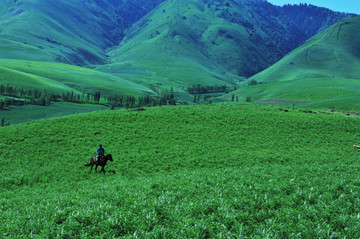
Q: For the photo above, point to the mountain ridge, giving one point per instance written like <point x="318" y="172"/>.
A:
<point x="324" y="71"/>
<point x="157" y="44"/>
<point x="243" y="48"/>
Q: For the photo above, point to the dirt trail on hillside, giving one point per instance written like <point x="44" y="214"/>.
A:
<point x="282" y="102"/>
<point x="326" y="37"/>
<point x="343" y="24"/>
<point x="308" y="57"/>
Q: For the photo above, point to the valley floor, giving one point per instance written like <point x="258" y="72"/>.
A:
<point x="27" y="113"/>
<point x="209" y="171"/>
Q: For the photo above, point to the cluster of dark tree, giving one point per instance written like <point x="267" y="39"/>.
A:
<point x="310" y="19"/>
<point x="68" y="96"/>
<point x="166" y="98"/>
<point x="218" y="5"/>
<point x="199" y="89"/>
<point x="28" y="96"/>
<point x="254" y="82"/>
<point x="4" y="104"/>
<point x="20" y="97"/>
<point x="19" y="92"/>
<point x="3" y="122"/>
<point x="286" y="27"/>
<point x="44" y="98"/>
<point x="127" y="101"/>
<point x="234" y="98"/>
<point x="204" y="99"/>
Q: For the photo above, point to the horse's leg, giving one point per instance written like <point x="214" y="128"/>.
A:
<point x="102" y="169"/>
<point x="92" y="165"/>
<point x="96" y="167"/>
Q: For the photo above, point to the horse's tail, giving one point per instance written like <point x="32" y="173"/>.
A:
<point x="91" y="161"/>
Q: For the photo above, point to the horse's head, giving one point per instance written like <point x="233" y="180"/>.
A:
<point x="110" y="157"/>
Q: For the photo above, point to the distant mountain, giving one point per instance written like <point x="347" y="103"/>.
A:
<point x="300" y="22"/>
<point x="325" y="71"/>
<point x="311" y="19"/>
<point x="157" y="43"/>
<point x="69" y="31"/>
<point x="232" y="39"/>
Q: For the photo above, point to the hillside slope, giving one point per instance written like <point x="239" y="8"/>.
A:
<point x="70" y="31"/>
<point x="51" y="31"/>
<point x="169" y="43"/>
<point x="209" y="42"/>
<point x="157" y="43"/>
<point x="324" y="71"/>
<point x="59" y="78"/>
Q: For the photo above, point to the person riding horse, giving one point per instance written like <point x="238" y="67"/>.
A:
<point x="100" y="151"/>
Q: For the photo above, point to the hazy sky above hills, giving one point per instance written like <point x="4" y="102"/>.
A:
<point x="351" y="6"/>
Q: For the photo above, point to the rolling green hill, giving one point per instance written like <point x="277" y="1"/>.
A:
<point x="142" y="45"/>
<point x="58" y="77"/>
<point x="183" y="43"/>
<point x="72" y="32"/>
<point x="203" y="42"/>
<point x="192" y="172"/>
<point x="171" y="47"/>
<point x="325" y="71"/>
<point x="36" y="35"/>
<point x="50" y="31"/>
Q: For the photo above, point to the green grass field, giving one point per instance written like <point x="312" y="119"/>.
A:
<point x="58" y="77"/>
<point x="213" y="171"/>
<point x="22" y="114"/>
<point x="205" y="171"/>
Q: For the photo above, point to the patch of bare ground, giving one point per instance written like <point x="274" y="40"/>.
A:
<point x="282" y="102"/>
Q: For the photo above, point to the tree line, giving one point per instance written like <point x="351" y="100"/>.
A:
<point x="201" y="89"/>
<point x="3" y="122"/>
<point x="20" y="97"/>
<point x="165" y="98"/>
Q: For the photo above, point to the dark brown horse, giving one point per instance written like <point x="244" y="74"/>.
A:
<point x="101" y="162"/>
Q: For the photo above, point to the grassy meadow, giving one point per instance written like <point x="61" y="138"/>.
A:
<point x="58" y="77"/>
<point x="204" y="171"/>
<point x="324" y="72"/>
<point x="123" y="49"/>
<point x="27" y="113"/>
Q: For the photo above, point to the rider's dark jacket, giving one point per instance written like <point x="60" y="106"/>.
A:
<point x="100" y="151"/>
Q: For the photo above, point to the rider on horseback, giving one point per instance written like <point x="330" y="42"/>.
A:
<point x="100" y="151"/>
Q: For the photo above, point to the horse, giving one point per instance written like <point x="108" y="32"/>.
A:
<point x="101" y="162"/>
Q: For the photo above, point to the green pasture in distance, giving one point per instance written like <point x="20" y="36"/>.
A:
<point x="191" y="171"/>
<point x="325" y="71"/>
<point x="179" y="75"/>
<point x="60" y="77"/>
<point x="22" y="114"/>
<point x="343" y="94"/>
